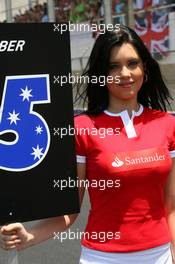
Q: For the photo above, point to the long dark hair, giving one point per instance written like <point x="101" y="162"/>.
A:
<point x="153" y="92"/>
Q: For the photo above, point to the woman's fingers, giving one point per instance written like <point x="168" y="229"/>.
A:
<point x="12" y="236"/>
<point x="12" y="243"/>
<point x="5" y="232"/>
<point x="16" y="227"/>
<point x="9" y="238"/>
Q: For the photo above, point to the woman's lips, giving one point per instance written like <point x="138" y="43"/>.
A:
<point x="127" y="85"/>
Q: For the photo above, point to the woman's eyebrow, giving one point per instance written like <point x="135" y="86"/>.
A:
<point x="113" y="62"/>
<point x="129" y="59"/>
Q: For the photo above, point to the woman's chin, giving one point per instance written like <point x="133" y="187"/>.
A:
<point x="128" y="96"/>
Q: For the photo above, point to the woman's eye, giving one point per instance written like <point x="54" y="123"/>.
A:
<point x="133" y="63"/>
<point x="114" y="66"/>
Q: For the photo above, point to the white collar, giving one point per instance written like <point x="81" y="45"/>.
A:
<point x="127" y="121"/>
<point x="139" y="112"/>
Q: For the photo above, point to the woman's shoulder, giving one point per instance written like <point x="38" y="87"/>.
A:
<point x="82" y="119"/>
<point x="158" y="114"/>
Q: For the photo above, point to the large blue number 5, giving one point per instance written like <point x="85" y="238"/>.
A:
<point x="32" y="136"/>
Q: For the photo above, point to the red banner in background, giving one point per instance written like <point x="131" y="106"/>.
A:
<point x="152" y="26"/>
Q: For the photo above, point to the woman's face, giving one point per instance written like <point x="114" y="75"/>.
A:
<point x="127" y="70"/>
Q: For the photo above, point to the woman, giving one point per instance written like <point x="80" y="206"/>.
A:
<point x="132" y="218"/>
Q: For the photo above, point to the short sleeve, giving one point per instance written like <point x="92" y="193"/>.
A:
<point x="81" y="142"/>
<point x="172" y="138"/>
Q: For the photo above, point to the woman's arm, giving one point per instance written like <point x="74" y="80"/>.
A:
<point x="170" y="205"/>
<point x="16" y="236"/>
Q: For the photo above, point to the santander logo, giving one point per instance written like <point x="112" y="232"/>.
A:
<point x="117" y="162"/>
<point x="136" y="158"/>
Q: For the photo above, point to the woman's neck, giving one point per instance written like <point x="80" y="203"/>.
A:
<point x="118" y="106"/>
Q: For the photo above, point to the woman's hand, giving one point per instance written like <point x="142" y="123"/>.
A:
<point x="14" y="236"/>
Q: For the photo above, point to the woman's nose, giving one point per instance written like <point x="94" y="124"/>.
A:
<point x="125" y="72"/>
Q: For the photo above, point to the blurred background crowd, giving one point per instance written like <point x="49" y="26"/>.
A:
<point x="74" y="11"/>
<point x="83" y="10"/>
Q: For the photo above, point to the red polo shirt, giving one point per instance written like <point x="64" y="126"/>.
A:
<point x="127" y="165"/>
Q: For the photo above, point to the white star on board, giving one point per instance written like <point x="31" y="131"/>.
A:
<point x="26" y="94"/>
<point x="39" y="129"/>
<point x="13" y="117"/>
<point x="37" y="152"/>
